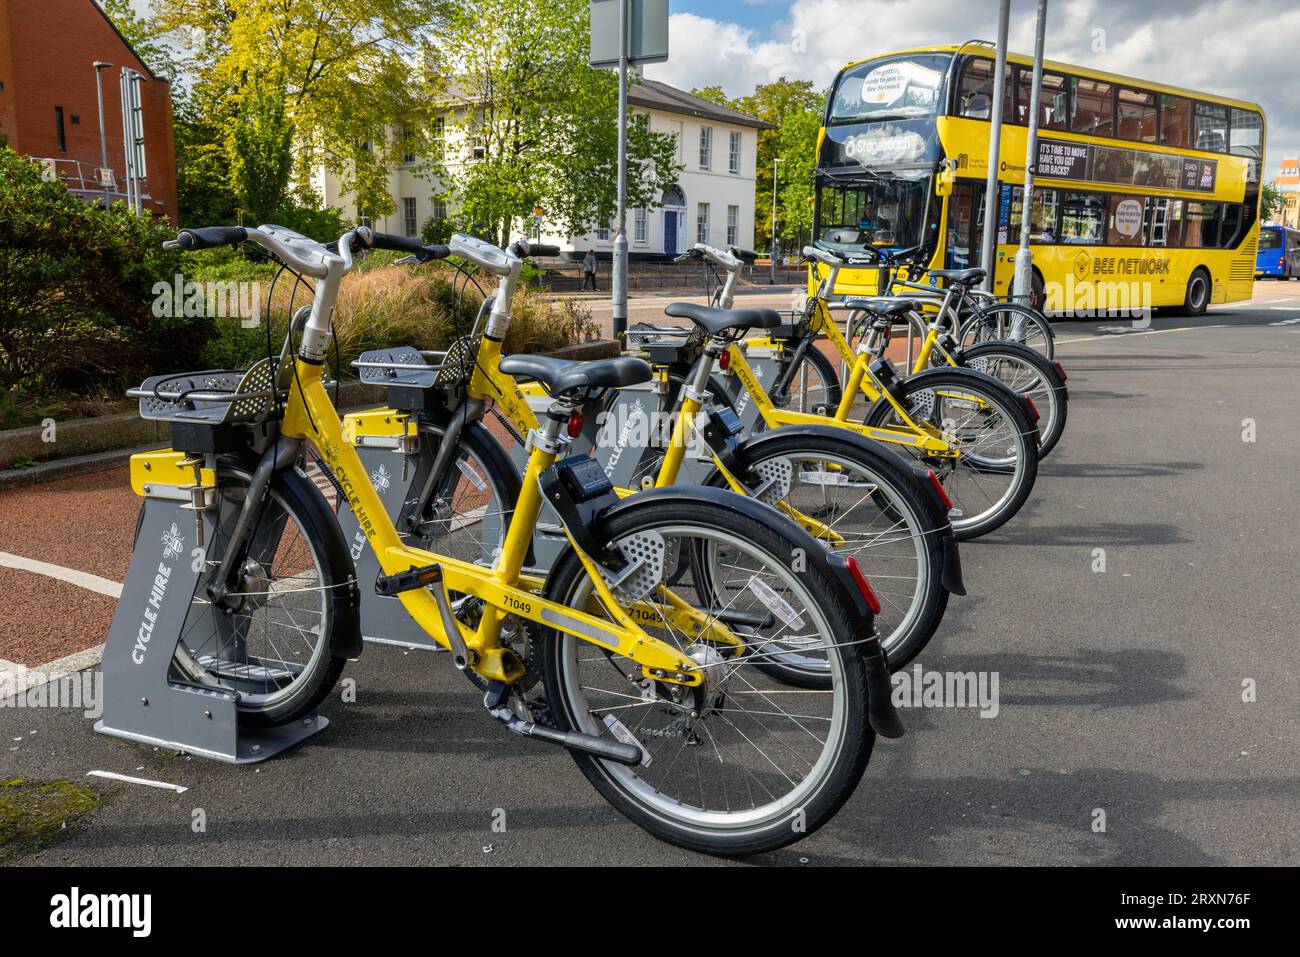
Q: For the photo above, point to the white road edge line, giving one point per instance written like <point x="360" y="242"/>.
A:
<point x="85" y="580"/>
<point x="1129" y="335"/>
<point x="114" y="776"/>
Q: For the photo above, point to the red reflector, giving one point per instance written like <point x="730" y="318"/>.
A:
<point x="1061" y="369"/>
<point x="724" y="360"/>
<point x="1033" y="408"/>
<point x="575" y="425"/>
<point x="863" y="585"/>
<point x="938" y="487"/>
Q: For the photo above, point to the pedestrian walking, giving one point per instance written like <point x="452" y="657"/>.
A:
<point x="589" y="271"/>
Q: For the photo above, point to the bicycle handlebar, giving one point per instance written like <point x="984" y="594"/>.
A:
<point x="523" y="249"/>
<point x="211" y="237"/>
<point x="401" y="244"/>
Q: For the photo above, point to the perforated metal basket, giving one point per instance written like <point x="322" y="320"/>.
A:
<point x="414" y="368"/>
<point x="213" y="397"/>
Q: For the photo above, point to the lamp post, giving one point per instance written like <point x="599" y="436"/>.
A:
<point x="772" y="254"/>
<point x="987" y="248"/>
<point x="103" y="142"/>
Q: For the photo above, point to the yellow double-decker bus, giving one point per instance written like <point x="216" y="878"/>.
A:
<point x="1144" y="194"/>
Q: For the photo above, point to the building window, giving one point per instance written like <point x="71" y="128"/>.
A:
<point x="439" y="211"/>
<point x="363" y="220"/>
<point x="641" y="227"/>
<point x="733" y="225"/>
<point x="58" y="129"/>
<point x="438" y="135"/>
<point x="602" y="234"/>
<point x="409" y="221"/>
<point x="408" y="153"/>
<point x="733" y="160"/>
<point x="702" y="223"/>
<point x="706" y="147"/>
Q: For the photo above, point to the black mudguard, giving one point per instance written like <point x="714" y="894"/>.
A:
<point x="884" y="718"/>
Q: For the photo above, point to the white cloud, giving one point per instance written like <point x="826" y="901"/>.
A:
<point x="1236" y="48"/>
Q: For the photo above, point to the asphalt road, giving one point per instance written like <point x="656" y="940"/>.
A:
<point x="1120" y="692"/>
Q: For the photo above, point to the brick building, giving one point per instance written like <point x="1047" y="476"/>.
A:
<point x="48" y="105"/>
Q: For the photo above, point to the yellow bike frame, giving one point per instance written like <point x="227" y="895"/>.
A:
<point x="309" y="415"/>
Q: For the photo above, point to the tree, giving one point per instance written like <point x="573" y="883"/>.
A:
<point x="261" y="150"/>
<point x="1272" y="204"/>
<point x="541" y="122"/>
<point x="344" y="71"/>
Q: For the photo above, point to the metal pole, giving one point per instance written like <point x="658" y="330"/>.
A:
<point x="772" y="252"/>
<point x="620" y="237"/>
<point x="1025" y="258"/>
<point x="103" y="140"/>
<point x="995" y="147"/>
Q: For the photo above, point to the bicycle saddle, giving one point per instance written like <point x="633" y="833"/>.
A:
<point x="714" y="321"/>
<point x="959" y="277"/>
<point x="558" y="376"/>
<point x="884" y="308"/>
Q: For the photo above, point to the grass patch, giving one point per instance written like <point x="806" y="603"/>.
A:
<point x="33" y="813"/>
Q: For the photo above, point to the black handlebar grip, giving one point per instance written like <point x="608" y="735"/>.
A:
<point x="397" y="244"/>
<point x="436" y="252"/>
<point x="210" y="237"/>
<point x="543" y="249"/>
<point x="747" y="256"/>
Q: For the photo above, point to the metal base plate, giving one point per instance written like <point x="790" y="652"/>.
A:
<point x="250" y="746"/>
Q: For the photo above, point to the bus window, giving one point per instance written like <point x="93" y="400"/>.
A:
<point x="1175" y="120"/>
<point x="1092" y="107"/>
<point x="1053" y="99"/>
<point x="1042" y="220"/>
<point x="1230" y="225"/>
<point x="1156" y="221"/>
<point x="975" y="99"/>
<point x="1137" y="115"/>
<point x="1270" y="239"/>
<point x="1201" y="225"/>
<point x="1210" y="127"/>
<point x="965" y="223"/>
<point x="1245" y="138"/>
<point x="893" y="87"/>
<point x="887" y="211"/>
<point x="1082" y="218"/>
<point x="1124" y="221"/>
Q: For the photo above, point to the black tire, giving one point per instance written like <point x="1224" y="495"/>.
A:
<point x="1197" y="298"/>
<point x="1012" y="416"/>
<point x="993" y="322"/>
<point x="1050" y="426"/>
<point x="825" y="370"/>
<point x="294" y="498"/>
<point x="849" y="741"/>
<point x="899" y="501"/>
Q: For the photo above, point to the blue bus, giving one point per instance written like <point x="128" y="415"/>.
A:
<point x="1279" y="252"/>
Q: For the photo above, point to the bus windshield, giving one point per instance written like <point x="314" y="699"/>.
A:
<point x="1270" y="238"/>
<point x="881" y="211"/>
<point x="893" y="87"/>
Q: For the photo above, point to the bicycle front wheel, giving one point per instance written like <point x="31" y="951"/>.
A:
<point x="743" y="763"/>
<point x="1025" y="372"/>
<point x="269" y="639"/>
<point x="993" y="472"/>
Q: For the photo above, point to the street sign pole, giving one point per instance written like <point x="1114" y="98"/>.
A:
<point x="620" y="235"/>
<point x="995" y="148"/>
<point x="1024" y="258"/>
<point x="103" y="139"/>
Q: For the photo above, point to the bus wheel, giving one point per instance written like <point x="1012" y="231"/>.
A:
<point x="1038" y="290"/>
<point x="1197" y="299"/>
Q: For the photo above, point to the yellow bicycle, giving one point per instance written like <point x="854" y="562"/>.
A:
<point x="651" y="625"/>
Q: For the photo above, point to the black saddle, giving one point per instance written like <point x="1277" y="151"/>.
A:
<point x="883" y="308"/>
<point x="558" y="376"/>
<point x="959" y="277"/>
<point x="714" y="321"/>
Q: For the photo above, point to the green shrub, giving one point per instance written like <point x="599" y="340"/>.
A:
<point x="76" y="286"/>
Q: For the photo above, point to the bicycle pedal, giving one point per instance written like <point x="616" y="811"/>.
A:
<point x="409" y="580"/>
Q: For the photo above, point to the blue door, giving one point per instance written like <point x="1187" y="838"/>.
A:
<point x="670" y="232"/>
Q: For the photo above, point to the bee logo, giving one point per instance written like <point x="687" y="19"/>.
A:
<point x="172" y="542"/>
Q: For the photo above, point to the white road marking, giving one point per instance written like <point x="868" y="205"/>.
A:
<point x="1286" y="322"/>
<point x="114" y="776"/>
<point x="85" y="580"/>
<point x="1125" y="335"/>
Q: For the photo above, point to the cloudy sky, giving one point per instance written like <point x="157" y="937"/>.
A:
<point x="1249" y="49"/>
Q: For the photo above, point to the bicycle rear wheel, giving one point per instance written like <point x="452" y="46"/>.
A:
<point x="743" y="764"/>
<point x="1026" y="372"/>
<point x="1013" y="321"/>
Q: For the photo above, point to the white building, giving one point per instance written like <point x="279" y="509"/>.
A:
<point x="712" y="202"/>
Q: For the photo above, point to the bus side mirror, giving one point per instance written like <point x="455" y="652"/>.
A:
<point x="945" y="181"/>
